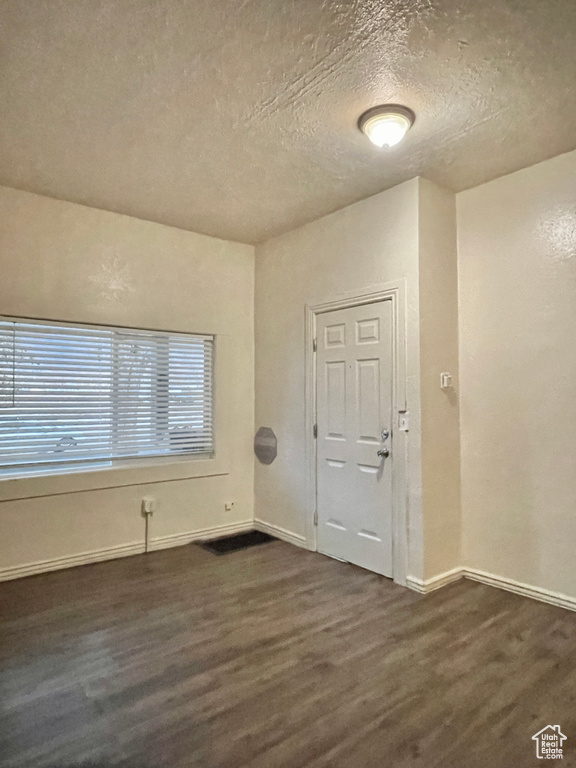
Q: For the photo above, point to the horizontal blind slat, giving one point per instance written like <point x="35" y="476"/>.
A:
<point x="79" y="393"/>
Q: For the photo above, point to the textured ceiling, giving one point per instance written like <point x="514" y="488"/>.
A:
<point x="237" y="118"/>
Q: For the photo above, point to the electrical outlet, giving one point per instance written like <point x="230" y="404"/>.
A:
<point x="148" y="505"/>
<point x="228" y="506"/>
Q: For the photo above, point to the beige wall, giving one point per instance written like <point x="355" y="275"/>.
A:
<point x="438" y="278"/>
<point x="516" y="274"/>
<point x="517" y="284"/>
<point x="374" y="241"/>
<point x="67" y="262"/>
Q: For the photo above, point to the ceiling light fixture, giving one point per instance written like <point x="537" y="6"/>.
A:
<point x="386" y="125"/>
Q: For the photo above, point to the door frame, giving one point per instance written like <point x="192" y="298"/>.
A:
<point x="396" y="293"/>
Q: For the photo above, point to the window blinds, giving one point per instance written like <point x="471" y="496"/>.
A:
<point x="83" y="393"/>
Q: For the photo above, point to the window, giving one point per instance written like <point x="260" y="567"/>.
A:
<point x="88" y="393"/>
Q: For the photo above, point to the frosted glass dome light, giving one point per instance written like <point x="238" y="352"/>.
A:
<point x="387" y="125"/>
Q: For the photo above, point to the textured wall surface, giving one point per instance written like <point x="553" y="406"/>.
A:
<point x="438" y="278"/>
<point x="238" y="119"/>
<point x="66" y="262"/>
<point x="372" y="242"/>
<point x="517" y="283"/>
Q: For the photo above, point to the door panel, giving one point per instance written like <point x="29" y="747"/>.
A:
<point x="368" y="388"/>
<point x="336" y="400"/>
<point x="354" y="404"/>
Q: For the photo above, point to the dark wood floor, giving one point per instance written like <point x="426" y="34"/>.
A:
<point x="275" y="657"/>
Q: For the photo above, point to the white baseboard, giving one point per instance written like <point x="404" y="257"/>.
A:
<point x="436" y="582"/>
<point x="69" y="561"/>
<point x="501" y="582"/>
<point x="281" y="533"/>
<point x="519" y="588"/>
<point x="180" y="539"/>
<point x="215" y="532"/>
<point x="122" y="550"/>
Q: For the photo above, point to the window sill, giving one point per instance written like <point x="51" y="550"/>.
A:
<point x="131" y="472"/>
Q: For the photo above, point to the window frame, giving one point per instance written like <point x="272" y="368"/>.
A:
<point x="169" y="465"/>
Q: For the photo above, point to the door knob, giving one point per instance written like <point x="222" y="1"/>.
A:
<point x="383" y="453"/>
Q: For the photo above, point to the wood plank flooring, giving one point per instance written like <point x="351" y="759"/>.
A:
<point x="275" y="657"/>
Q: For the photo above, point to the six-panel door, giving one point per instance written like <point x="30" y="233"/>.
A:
<point x="353" y="407"/>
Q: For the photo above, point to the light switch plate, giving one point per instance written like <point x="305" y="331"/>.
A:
<point x="445" y="380"/>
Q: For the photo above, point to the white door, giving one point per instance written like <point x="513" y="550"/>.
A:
<point x="353" y="413"/>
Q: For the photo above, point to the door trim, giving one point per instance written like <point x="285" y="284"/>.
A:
<point x="396" y="293"/>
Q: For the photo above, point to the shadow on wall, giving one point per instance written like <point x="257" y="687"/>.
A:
<point x="452" y="397"/>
